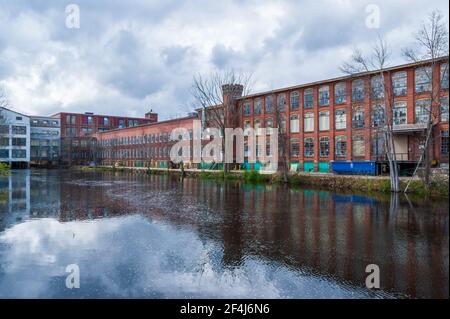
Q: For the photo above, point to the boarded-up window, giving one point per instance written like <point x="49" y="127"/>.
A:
<point x="295" y="124"/>
<point x="324" y="121"/>
<point x="358" y="146"/>
<point x="309" y="122"/>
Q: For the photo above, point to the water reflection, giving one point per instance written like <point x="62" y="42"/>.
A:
<point x="150" y="236"/>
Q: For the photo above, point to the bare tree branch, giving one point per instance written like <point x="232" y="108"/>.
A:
<point x="431" y="42"/>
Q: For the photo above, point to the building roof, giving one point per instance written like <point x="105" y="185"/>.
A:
<point x="5" y="108"/>
<point x="100" y="115"/>
<point x="342" y="78"/>
<point x="147" y="125"/>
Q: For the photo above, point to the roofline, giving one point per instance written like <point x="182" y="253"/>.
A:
<point x="102" y="115"/>
<point x="341" y="78"/>
<point x="147" y="125"/>
<point x="5" y="108"/>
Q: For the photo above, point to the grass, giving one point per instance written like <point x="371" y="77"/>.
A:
<point x="361" y="184"/>
<point x="4" y="169"/>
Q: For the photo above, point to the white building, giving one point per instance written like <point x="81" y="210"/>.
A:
<point x="45" y="140"/>
<point x="14" y="138"/>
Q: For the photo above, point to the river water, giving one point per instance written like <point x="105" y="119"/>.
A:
<point x="139" y="236"/>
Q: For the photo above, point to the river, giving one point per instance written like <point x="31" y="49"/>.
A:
<point x="148" y="236"/>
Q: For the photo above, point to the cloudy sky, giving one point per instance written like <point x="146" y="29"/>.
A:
<point x="130" y="56"/>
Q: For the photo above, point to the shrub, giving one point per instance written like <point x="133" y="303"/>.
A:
<point x="4" y="169"/>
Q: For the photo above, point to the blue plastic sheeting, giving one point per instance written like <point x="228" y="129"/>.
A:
<point x="354" y="168"/>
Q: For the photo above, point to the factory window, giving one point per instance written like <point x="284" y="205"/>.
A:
<point x="422" y="110"/>
<point x="281" y="102"/>
<point x="295" y="100"/>
<point x="258" y="106"/>
<point x="295" y="147"/>
<point x="247" y="110"/>
<point x="358" y="118"/>
<point x="377" y="87"/>
<point x="378" y="115"/>
<point x="444" y="109"/>
<point x="358" y="146"/>
<point x="340" y="119"/>
<point x="269" y="104"/>
<point x="324" y="95"/>
<point x="358" y="90"/>
<point x="324" y="121"/>
<point x="340" y="93"/>
<point x="399" y="83"/>
<point x="341" y="146"/>
<point x="423" y="79"/>
<point x="295" y="124"/>
<point x="444" y="143"/>
<point x="71" y="119"/>
<point x="308" y="122"/>
<point x="400" y="113"/>
<point x="308" y="148"/>
<point x="324" y="146"/>
<point x="308" y="98"/>
<point x="444" y="76"/>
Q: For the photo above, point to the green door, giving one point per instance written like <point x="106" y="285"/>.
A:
<point x="308" y="166"/>
<point x="324" y="167"/>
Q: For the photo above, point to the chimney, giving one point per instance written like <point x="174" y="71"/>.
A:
<point x="231" y="92"/>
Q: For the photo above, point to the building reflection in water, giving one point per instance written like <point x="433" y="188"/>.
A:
<point x="316" y="232"/>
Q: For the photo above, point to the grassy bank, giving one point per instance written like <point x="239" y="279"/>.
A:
<point x="360" y="184"/>
<point x="439" y="187"/>
<point x="4" y="169"/>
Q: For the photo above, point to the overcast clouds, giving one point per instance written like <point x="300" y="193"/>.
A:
<point x="129" y="56"/>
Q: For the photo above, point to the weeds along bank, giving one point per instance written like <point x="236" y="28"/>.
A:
<point x="4" y="169"/>
<point x="361" y="184"/>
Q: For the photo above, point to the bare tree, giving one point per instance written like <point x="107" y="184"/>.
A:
<point x="3" y="122"/>
<point x="280" y="118"/>
<point x="431" y="44"/>
<point x="219" y="108"/>
<point x="383" y="96"/>
<point x="4" y="103"/>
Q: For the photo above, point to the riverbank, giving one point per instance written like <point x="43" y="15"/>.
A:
<point x="4" y="169"/>
<point x="329" y="181"/>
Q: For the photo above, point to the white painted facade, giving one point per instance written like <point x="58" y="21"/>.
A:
<point x="14" y="137"/>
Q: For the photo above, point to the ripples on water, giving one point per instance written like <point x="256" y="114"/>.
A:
<point x="150" y="236"/>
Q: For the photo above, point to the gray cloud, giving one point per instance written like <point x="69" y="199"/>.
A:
<point x="129" y="56"/>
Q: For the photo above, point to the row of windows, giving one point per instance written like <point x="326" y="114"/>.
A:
<point x="105" y="121"/>
<point x="5" y="141"/>
<point x="378" y="116"/>
<point x="358" y="148"/>
<point x="324" y="146"/>
<point x="423" y="83"/>
<point x="133" y="153"/>
<point x="15" y="129"/>
<point x="139" y="140"/>
<point x="44" y="142"/>
<point x="36" y="122"/>
<point x="15" y="153"/>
